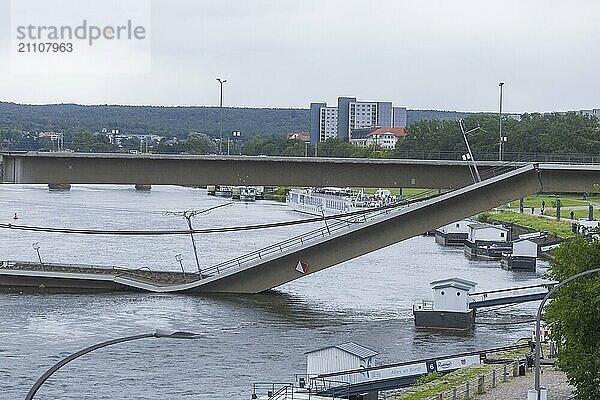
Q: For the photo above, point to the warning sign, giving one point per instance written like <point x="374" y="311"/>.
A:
<point x="302" y="267"/>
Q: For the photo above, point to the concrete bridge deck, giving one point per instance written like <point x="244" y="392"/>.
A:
<point x="341" y="241"/>
<point x="163" y="169"/>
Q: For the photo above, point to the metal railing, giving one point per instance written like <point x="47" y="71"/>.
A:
<point x="284" y="391"/>
<point x="340" y="224"/>
<point x="301" y="240"/>
<point x="569" y="158"/>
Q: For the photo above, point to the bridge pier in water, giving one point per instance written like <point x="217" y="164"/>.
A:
<point x="63" y="187"/>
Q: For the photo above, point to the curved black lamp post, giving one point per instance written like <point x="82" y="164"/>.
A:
<point x="157" y="334"/>
<point x="538" y="323"/>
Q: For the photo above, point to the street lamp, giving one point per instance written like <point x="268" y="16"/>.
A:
<point x="538" y="325"/>
<point x="500" y="119"/>
<point x="235" y="135"/>
<point x="160" y="333"/>
<point x="188" y="215"/>
<point x="36" y="247"/>
<point x="221" y="82"/>
<point x="179" y="259"/>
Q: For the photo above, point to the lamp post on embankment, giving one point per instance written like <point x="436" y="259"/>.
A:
<point x="538" y="325"/>
<point x="36" y="247"/>
<point x="157" y="334"/>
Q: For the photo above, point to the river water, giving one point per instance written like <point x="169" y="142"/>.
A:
<point x="246" y="338"/>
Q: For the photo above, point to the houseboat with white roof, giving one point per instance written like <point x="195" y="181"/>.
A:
<point x="454" y="234"/>
<point x="487" y="242"/>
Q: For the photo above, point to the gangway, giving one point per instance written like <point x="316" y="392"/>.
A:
<point x="515" y="296"/>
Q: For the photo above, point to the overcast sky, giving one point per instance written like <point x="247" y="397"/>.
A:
<point x="421" y="54"/>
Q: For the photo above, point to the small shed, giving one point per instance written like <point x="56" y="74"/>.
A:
<point x="488" y="233"/>
<point x="452" y="294"/>
<point x="525" y="248"/>
<point x="342" y="357"/>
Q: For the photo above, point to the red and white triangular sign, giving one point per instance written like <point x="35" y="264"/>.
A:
<point x="302" y="267"/>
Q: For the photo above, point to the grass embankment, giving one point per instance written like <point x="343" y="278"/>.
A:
<point x="560" y="228"/>
<point x="445" y="382"/>
<point x="569" y="200"/>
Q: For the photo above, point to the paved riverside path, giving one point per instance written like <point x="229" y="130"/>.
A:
<point x="516" y="388"/>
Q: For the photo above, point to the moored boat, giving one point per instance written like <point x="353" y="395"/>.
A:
<point x="335" y="200"/>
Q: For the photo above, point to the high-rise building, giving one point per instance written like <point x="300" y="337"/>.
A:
<point x="328" y="126"/>
<point x="315" y="121"/>
<point x="351" y="115"/>
<point x="344" y="116"/>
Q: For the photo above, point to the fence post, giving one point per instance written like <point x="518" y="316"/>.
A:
<point x="481" y="385"/>
<point x="493" y="378"/>
<point x="505" y="375"/>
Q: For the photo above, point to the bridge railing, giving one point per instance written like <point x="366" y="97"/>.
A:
<point x="312" y="236"/>
<point x="339" y="224"/>
<point x="569" y="158"/>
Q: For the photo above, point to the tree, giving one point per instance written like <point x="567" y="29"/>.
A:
<point x="574" y="316"/>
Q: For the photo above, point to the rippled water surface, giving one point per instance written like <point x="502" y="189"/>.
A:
<point x="246" y="338"/>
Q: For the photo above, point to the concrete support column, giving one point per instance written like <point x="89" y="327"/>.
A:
<point x="558" y="209"/>
<point x="59" y="186"/>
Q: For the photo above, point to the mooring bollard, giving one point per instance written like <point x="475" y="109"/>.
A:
<point x="481" y="385"/>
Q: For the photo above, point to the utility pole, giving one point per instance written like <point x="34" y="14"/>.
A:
<point x="221" y="82"/>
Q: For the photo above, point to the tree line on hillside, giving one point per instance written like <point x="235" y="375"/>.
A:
<point x="157" y="120"/>
<point x="176" y="121"/>
<point x="533" y="133"/>
<point x="550" y="134"/>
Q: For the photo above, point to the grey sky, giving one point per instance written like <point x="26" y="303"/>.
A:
<point x="286" y="53"/>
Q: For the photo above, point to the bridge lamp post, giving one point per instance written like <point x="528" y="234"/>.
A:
<point x="156" y="334"/>
<point x="501" y="84"/>
<point x="179" y="259"/>
<point x="188" y="215"/>
<point x="538" y="325"/>
<point x="221" y="82"/>
<point x="36" y="247"/>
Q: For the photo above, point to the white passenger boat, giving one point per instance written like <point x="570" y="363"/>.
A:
<point x="335" y="200"/>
